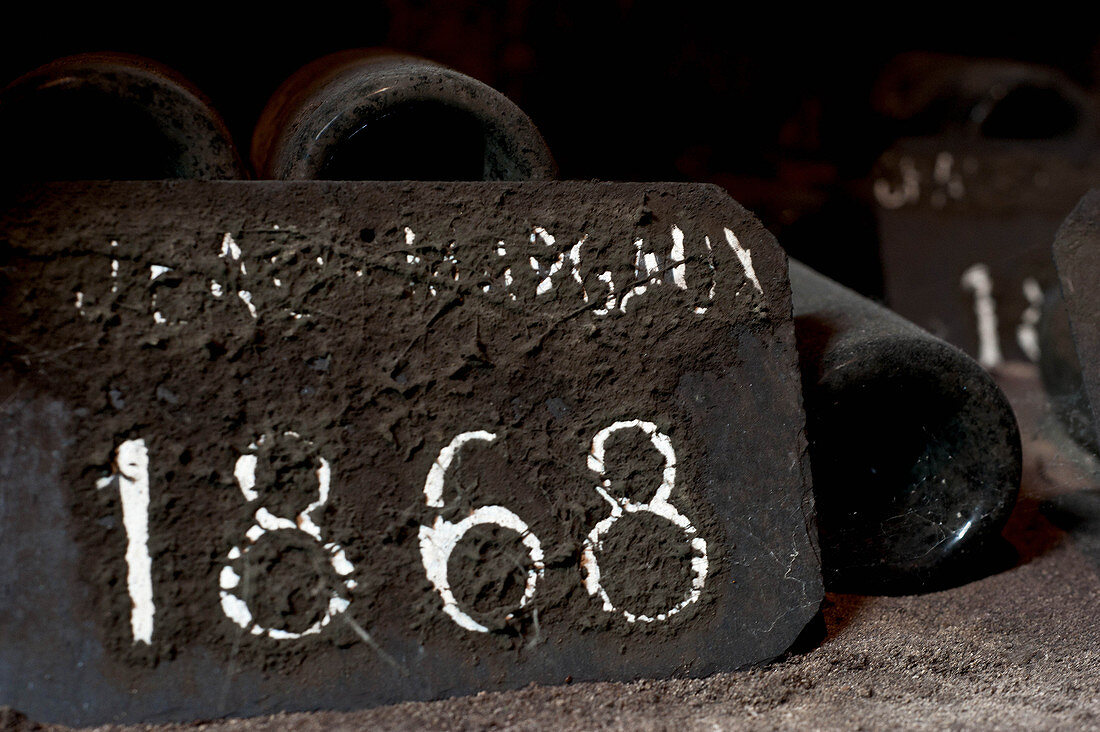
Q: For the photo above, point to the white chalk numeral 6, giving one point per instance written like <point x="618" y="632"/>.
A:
<point x="438" y="541"/>
<point x="658" y="506"/>
<point x="232" y="604"/>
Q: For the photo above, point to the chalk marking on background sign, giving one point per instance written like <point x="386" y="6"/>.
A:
<point x="976" y="279"/>
<point x="908" y="192"/>
<point x="1027" y="332"/>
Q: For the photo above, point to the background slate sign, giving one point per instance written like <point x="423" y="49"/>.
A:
<point x="281" y="446"/>
<point x="967" y="233"/>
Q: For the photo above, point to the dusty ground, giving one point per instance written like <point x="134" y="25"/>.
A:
<point x="1018" y="649"/>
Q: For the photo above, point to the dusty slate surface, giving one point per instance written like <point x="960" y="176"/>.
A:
<point x="341" y="337"/>
<point x="1019" y="649"/>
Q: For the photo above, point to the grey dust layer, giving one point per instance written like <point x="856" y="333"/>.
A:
<point x="288" y="446"/>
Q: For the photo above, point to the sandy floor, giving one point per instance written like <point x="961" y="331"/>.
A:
<point x="1019" y="649"/>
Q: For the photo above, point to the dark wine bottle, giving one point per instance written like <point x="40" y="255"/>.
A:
<point x="378" y="115"/>
<point x="109" y="116"/>
<point x="915" y="450"/>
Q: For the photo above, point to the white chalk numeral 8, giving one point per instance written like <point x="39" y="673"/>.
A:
<point x="232" y="604"/>
<point x="658" y="506"/>
<point x="438" y="541"/>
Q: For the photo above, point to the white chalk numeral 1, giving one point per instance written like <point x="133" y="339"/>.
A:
<point x="977" y="279"/>
<point x="658" y="506"/>
<point x="438" y="541"/>
<point x="132" y="475"/>
<point x="232" y="604"/>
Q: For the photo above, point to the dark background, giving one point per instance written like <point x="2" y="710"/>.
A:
<point x="774" y="105"/>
